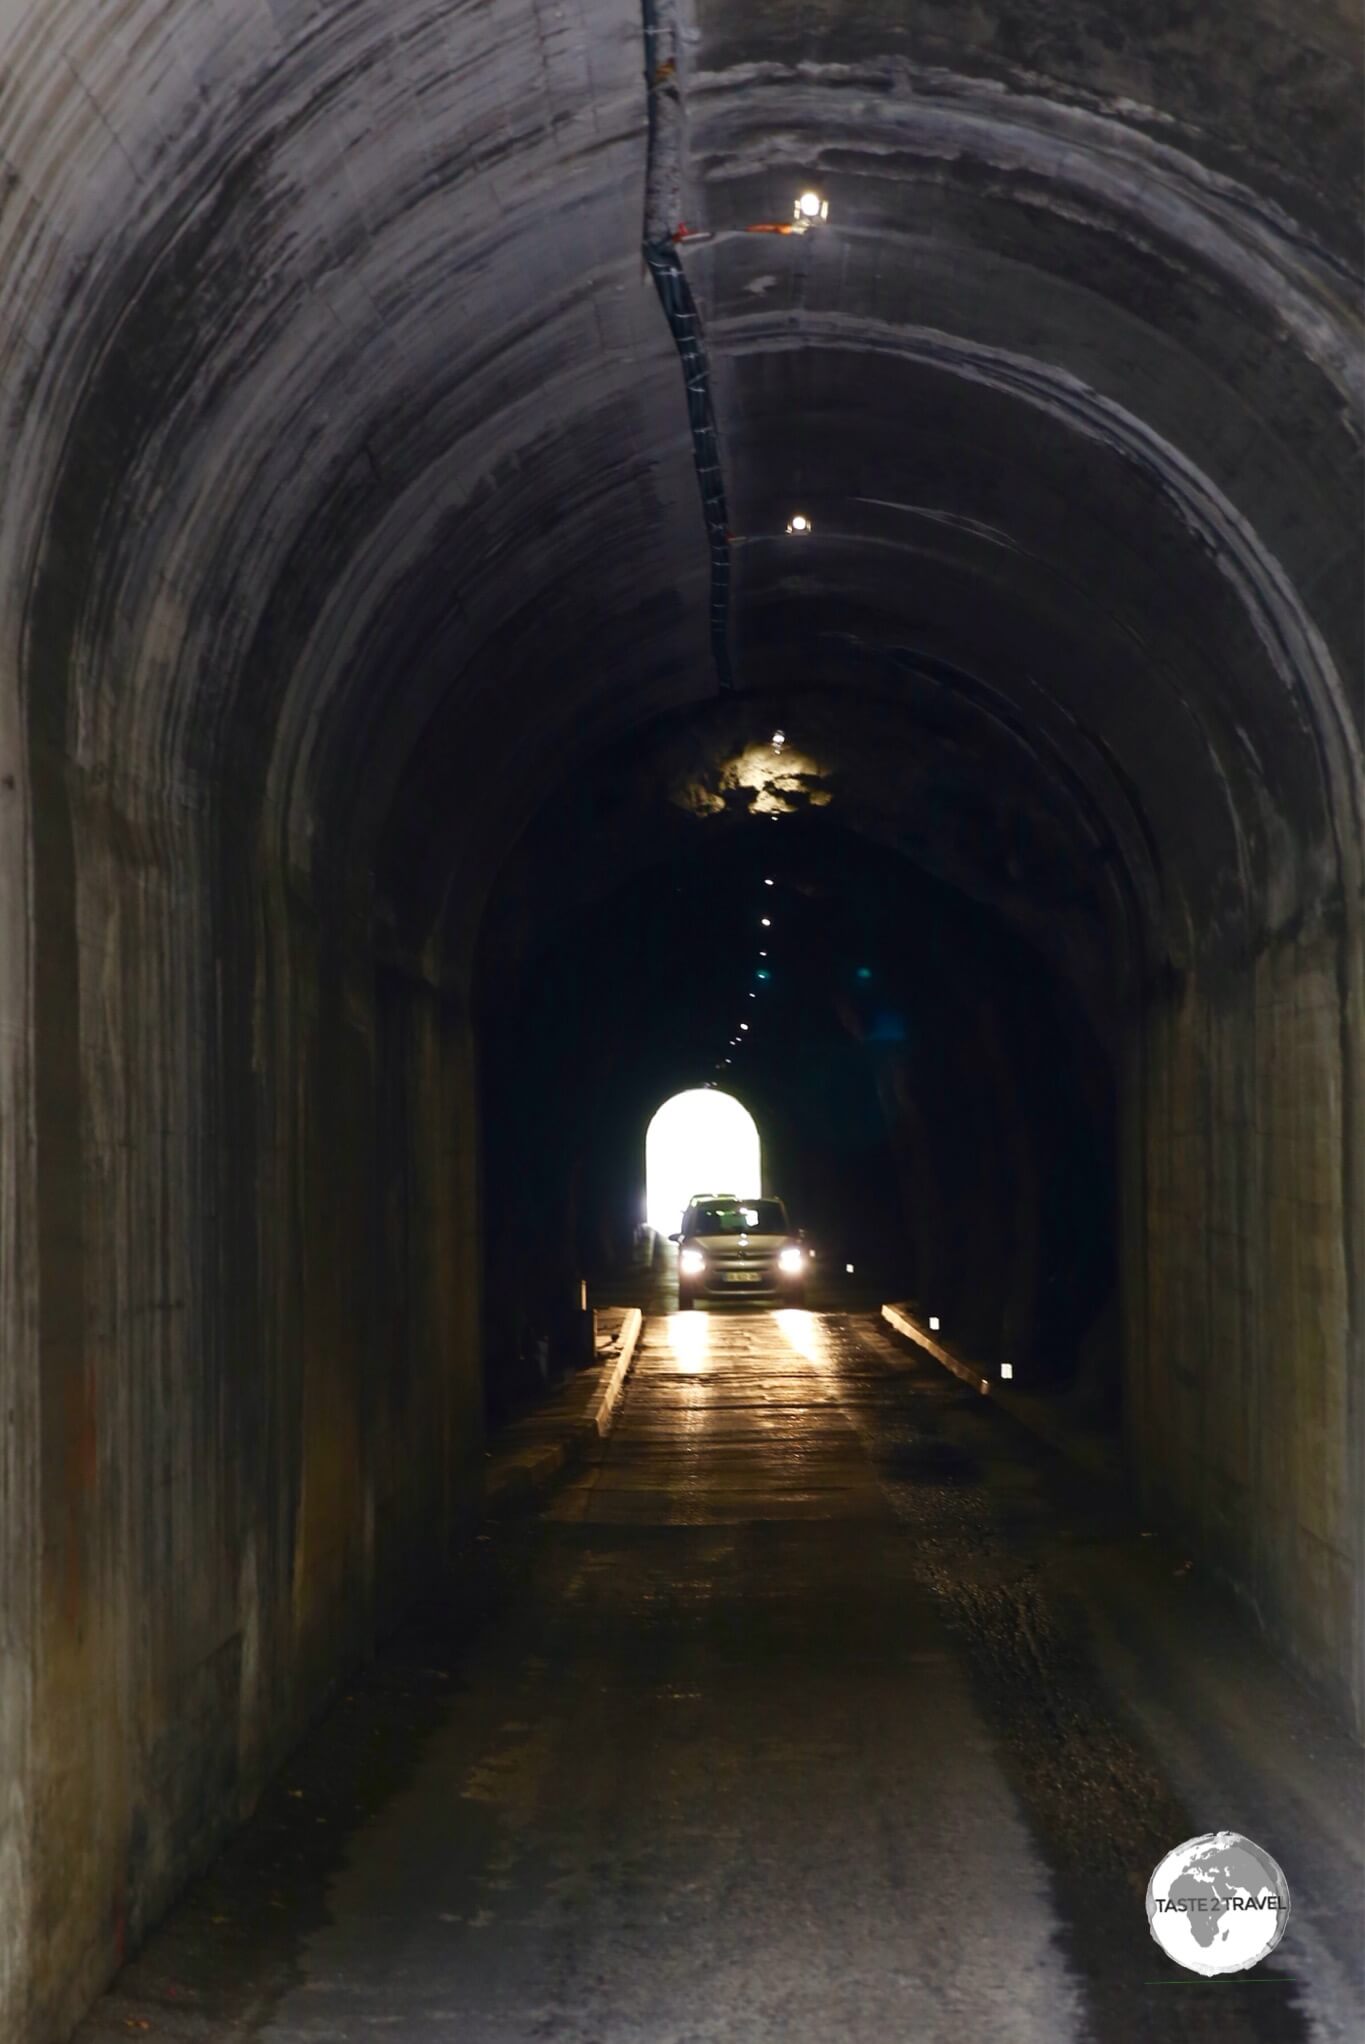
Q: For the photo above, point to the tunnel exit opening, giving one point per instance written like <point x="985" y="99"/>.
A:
<point x="699" y="1141"/>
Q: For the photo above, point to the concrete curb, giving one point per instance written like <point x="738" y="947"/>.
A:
<point x="604" y="1408"/>
<point x="900" y="1318"/>
<point x="1096" y="1456"/>
<point x="519" y="1474"/>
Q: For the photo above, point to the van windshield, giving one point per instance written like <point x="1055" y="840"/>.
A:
<point x="754" y="1217"/>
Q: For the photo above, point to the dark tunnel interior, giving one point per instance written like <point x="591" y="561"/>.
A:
<point x="934" y="1098"/>
<point x="439" y="454"/>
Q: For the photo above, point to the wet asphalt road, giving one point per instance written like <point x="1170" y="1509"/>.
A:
<point x="783" y="1721"/>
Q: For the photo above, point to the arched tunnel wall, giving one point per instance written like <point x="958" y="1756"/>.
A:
<point x="1241" y="1266"/>
<point x="350" y="515"/>
<point x="244" y="1286"/>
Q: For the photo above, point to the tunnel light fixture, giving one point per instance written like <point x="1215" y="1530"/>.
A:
<point x="1007" y="1369"/>
<point x="743" y="1025"/>
<point x="799" y="526"/>
<point x="769" y="883"/>
<point x="763" y="973"/>
<point x="933" y="1323"/>
<point x="766" y="921"/>
<point x="762" y="954"/>
<point x="849" y="1268"/>
<point x="809" y="209"/>
<point x="779" y="738"/>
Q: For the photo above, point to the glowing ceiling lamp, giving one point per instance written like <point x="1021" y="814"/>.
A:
<point x="809" y="209"/>
<point x="799" y="526"/>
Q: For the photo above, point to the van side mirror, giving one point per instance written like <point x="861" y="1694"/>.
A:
<point x="675" y="1238"/>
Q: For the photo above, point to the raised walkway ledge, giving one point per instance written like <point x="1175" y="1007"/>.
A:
<point x="532" y="1451"/>
<point x="1100" y="1454"/>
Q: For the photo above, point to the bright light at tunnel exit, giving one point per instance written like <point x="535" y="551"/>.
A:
<point x="701" y="1141"/>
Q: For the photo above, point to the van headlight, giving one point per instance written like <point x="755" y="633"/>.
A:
<point x="791" y="1261"/>
<point x="691" y="1262"/>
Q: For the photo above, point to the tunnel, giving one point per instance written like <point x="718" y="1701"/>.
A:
<point x="554" y="555"/>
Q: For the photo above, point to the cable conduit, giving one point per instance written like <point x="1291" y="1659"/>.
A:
<point x="662" y="231"/>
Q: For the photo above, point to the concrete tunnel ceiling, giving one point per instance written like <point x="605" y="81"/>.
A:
<point x="349" y="467"/>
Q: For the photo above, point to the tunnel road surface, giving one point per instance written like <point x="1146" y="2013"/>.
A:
<point x="770" y="1732"/>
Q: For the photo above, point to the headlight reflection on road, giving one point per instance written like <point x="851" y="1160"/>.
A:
<point x="688" y="1336"/>
<point x="805" y="1333"/>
